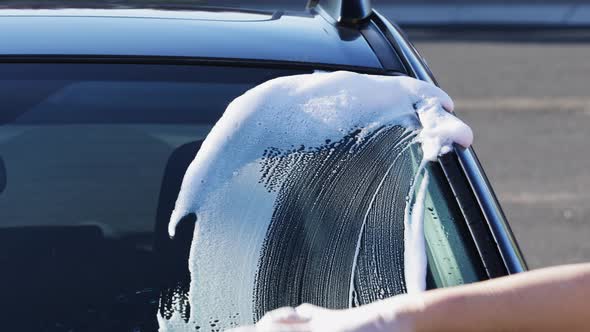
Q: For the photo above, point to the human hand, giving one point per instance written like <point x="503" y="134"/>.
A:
<point x="388" y="315"/>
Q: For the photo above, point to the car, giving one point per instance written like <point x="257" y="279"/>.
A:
<point x="103" y="109"/>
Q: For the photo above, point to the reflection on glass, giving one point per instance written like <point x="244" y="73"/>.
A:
<point x="93" y="160"/>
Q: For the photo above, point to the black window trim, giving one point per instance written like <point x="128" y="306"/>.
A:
<point x="180" y="60"/>
<point x="491" y="225"/>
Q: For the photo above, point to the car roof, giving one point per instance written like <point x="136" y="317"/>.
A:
<point x="304" y="37"/>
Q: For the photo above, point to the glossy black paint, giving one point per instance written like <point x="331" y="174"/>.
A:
<point x="301" y="38"/>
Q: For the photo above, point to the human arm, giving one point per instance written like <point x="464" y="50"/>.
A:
<point x="551" y="299"/>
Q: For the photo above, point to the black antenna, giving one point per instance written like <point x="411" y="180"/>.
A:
<point x="344" y="11"/>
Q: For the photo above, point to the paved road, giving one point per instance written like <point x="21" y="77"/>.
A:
<point x="529" y="104"/>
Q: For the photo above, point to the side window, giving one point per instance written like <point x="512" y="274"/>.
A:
<point x="452" y="258"/>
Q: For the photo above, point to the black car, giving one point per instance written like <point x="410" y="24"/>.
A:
<point x="102" y="111"/>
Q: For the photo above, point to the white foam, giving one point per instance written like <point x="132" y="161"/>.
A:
<point x="414" y="242"/>
<point x="302" y="110"/>
<point x="440" y="129"/>
<point x="285" y="113"/>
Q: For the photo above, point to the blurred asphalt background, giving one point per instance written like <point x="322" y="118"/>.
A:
<point x="528" y="102"/>
<point x="519" y="72"/>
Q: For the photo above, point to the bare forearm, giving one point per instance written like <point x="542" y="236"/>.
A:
<point x="553" y="299"/>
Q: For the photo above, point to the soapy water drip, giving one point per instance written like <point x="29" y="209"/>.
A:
<point x="414" y="242"/>
<point x="295" y="196"/>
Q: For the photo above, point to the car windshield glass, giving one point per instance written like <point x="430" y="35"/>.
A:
<point x="92" y="157"/>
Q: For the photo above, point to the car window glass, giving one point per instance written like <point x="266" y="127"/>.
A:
<point x="92" y="161"/>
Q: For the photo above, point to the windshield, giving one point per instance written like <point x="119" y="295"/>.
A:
<point x="92" y="157"/>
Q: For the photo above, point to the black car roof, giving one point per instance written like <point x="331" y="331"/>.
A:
<point x="216" y="34"/>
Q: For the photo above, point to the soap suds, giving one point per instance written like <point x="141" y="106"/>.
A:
<point x="302" y="110"/>
<point x="414" y="245"/>
<point x="440" y="129"/>
<point x="298" y="182"/>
